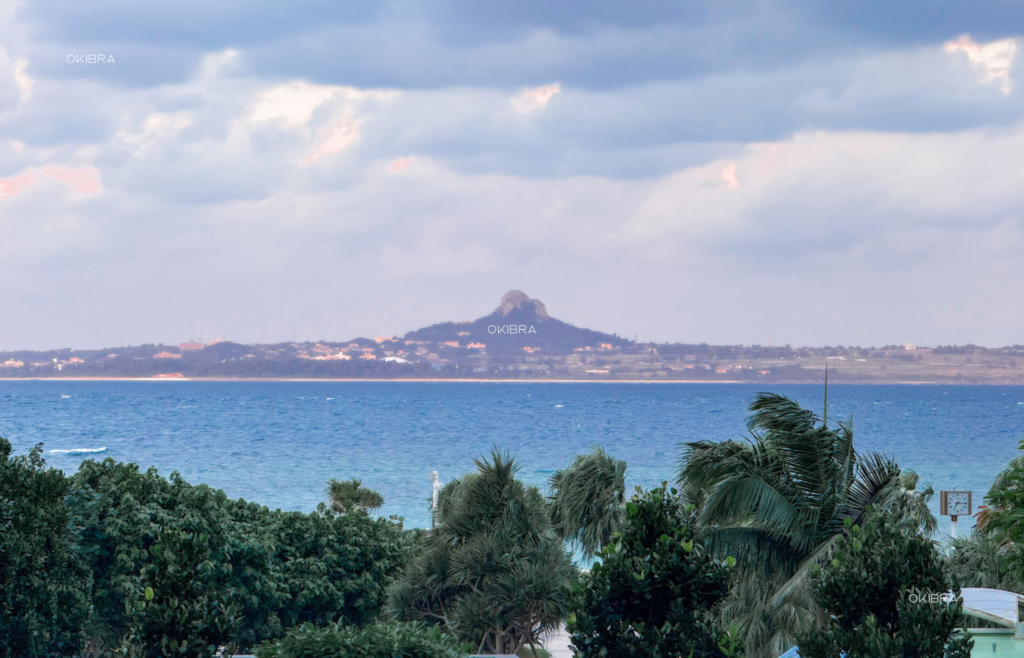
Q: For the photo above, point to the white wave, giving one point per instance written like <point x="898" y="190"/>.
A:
<point x="78" y="451"/>
<point x="559" y="406"/>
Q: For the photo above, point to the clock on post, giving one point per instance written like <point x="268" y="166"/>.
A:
<point x="954" y="504"/>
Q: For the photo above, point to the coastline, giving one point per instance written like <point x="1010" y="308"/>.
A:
<point x="436" y="380"/>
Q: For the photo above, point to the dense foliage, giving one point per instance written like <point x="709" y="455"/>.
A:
<point x="493" y="572"/>
<point x="777" y="503"/>
<point x="1004" y="517"/>
<point x="43" y="586"/>
<point x="884" y="590"/>
<point x="175" y="609"/>
<point x="271" y="569"/>
<point x="587" y="500"/>
<point x="351" y="496"/>
<point x="653" y="590"/>
<point x="379" y="640"/>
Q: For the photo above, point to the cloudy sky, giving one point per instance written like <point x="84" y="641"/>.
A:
<point x="716" y="171"/>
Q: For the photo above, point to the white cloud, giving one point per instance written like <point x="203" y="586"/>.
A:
<point x="399" y="164"/>
<point x="292" y="104"/>
<point x="157" y="126"/>
<point x="536" y="98"/>
<point x="728" y="175"/>
<point x="995" y="58"/>
<point x="214" y="63"/>
<point x="83" y="180"/>
<point x="341" y="134"/>
<point x="22" y="78"/>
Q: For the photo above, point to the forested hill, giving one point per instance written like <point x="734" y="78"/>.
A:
<point x="518" y="322"/>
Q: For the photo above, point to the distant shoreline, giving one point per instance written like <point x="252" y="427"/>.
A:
<point x="418" y="380"/>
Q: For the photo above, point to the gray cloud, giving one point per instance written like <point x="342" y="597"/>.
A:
<point x="876" y="175"/>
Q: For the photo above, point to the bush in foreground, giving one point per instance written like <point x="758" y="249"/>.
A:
<point x="256" y="573"/>
<point x="379" y="640"/>
<point x="43" y="586"/>
<point x="884" y="592"/>
<point x="652" y="593"/>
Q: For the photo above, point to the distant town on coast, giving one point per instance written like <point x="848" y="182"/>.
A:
<point x="519" y="340"/>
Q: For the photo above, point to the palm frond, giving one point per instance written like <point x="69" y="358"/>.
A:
<point x="772" y="413"/>
<point x="588" y="499"/>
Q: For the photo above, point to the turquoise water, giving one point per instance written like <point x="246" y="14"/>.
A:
<point x="996" y="645"/>
<point x="277" y="443"/>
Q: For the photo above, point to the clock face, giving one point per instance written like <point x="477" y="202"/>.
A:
<point x="958" y="503"/>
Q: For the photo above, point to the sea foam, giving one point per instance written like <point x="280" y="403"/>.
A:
<point x="77" y="451"/>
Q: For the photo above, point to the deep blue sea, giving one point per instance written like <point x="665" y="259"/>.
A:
<point x="277" y="443"/>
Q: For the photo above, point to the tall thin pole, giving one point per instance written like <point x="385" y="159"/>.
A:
<point x="433" y="497"/>
<point x="825" y="420"/>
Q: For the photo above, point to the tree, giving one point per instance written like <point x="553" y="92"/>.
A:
<point x="588" y="500"/>
<point x="350" y="496"/>
<point x="493" y="572"/>
<point x="377" y="640"/>
<point x="44" y="587"/>
<point x="992" y="556"/>
<point x="984" y="560"/>
<point x="652" y="592"/>
<point x="174" y="610"/>
<point x="273" y="569"/>
<point x="1004" y="515"/>
<point x="777" y="502"/>
<point x="886" y="595"/>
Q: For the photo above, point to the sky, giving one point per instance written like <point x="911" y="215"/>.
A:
<point x="718" y="171"/>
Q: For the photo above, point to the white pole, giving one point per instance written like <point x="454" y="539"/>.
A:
<point x="952" y="526"/>
<point x="433" y="498"/>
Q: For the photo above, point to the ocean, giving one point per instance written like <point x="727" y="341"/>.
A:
<point x="277" y="443"/>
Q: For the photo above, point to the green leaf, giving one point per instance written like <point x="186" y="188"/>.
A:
<point x="149" y="593"/>
<point x="632" y="509"/>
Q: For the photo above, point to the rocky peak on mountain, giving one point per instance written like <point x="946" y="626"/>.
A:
<point x="518" y="299"/>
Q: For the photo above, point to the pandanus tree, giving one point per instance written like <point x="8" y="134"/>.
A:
<point x="351" y="496"/>
<point x="493" y="572"/>
<point x="777" y="503"/>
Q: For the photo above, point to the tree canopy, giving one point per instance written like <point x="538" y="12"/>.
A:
<point x="652" y="592"/>
<point x="493" y="572"/>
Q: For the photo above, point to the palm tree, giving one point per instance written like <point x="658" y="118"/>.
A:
<point x="984" y="560"/>
<point x="350" y="496"/>
<point x="777" y="501"/>
<point x="919" y="517"/>
<point x="588" y="500"/>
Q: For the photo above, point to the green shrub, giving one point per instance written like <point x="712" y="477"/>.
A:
<point x="44" y="587"/>
<point x="379" y="640"/>
<point x="174" y="610"/>
<point x="882" y="590"/>
<point x="270" y="569"/>
<point x="653" y="590"/>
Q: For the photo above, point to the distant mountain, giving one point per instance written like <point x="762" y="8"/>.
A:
<point x="518" y="322"/>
